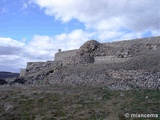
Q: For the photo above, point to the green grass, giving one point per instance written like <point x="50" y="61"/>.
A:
<point x="70" y="103"/>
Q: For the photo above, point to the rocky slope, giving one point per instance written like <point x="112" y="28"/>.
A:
<point x="141" y="71"/>
<point x="10" y="78"/>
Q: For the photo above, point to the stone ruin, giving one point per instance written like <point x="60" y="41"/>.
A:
<point x="88" y="66"/>
<point x="95" y="52"/>
<point x="91" y="52"/>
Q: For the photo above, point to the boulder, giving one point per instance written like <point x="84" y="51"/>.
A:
<point x="19" y="80"/>
<point x="3" y="82"/>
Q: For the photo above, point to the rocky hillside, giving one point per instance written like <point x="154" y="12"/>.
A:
<point x="8" y="78"/>
<point x="91" y="91"/>
<point x="141" y="71"/>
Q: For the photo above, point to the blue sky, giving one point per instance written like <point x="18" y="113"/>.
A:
<point x="33" y="30"/>
<point x="22" y="20"/>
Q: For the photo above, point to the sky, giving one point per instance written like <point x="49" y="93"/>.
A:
<point x="33" y="30"/>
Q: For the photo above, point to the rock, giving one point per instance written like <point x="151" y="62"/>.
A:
<point x="78" y="68"/>
<point x="94" y="48"/>
<point x="8" y="107"/>
<point x="19" y="80"/>
<point x="3" y="82"/>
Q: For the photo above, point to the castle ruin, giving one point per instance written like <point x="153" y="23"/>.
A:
<point x="119" y="65"/>
<point x="95" y="52"/>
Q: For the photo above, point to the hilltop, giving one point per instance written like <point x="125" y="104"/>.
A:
<point x="96" y="81"/>
<point x="119" y="65"/>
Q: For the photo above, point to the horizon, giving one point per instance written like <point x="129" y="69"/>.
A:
<point x="77" y="49"/>
<point x="33" y="30"/>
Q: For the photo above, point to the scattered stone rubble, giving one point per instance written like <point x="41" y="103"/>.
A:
<point x="137" y="78"/>
<point x="12" y="81"/>
<point x="3" y="82"/>
<point x="73" y="68"/>
<point x="116" y="80"/>
<point x="34" y="67"/>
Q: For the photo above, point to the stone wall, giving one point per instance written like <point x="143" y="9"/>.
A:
<point x="152" y="41"/>
<point x="74" y="60"/>
<point x="107" y="52"/>
<point x="84" y="59"/>
<point x="69" y="60"/>
<point x="135" y="79"/>
<point x="94" y="52"/>
<point x="61" y="55"/>
<point x="22" y="72"/>
<point x="33" y="67"/>
<point x="34" y="64"/>
<point x="109" y="59"/>
<point x="112" y="79"/>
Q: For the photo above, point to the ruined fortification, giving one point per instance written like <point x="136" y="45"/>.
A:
<point x="95" y="52"/>
<point x="118" y="65"/>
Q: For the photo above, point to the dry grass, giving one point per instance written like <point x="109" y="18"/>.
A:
<point x="74" y="103"/>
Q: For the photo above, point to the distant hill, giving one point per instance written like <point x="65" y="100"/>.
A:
<point x="4" y="74"/>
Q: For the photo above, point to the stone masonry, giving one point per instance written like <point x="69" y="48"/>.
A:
<point x="88" y="66"/>
<point x="95" y="52"/>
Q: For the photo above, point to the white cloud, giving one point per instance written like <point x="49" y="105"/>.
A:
<point x="10" y="54"/>
<point x="8" y="57"/>
<point x="24" y="6"/>
<point x="47" y="46"/>
<point x="105" y="18"/>
<point x="14" y="54"/>
<point x="10" y="42"/>
<point x="9" y="46"/>
<point x="107" y="15"/>
<point x="155" y="32"/>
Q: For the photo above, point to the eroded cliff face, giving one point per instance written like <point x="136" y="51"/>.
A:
<point x="142" y="70"/>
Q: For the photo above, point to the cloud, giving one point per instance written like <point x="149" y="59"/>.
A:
<point x="9" y="46"/>
<point x="47" y="46"/>
<point x="107" y="15"/>
<point x="10" y="42"/>
<point x="24" y="6"/>
<point x="109" y="20"/>
<point x="12" y="63"/>
<point x="10" y="54"/>
<point x="14" y="54"/>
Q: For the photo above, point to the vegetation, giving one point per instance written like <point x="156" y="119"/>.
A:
<point x="75" y="103"/>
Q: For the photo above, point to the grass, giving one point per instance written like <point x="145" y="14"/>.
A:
<point x="75" y="103"/>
